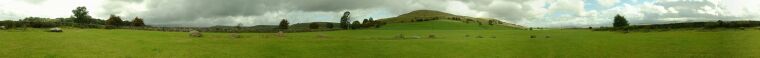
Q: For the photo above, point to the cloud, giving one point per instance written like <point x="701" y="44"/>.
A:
<point x="607" y="3"/>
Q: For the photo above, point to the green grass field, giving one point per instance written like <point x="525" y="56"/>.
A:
<point x="450" y="42"/>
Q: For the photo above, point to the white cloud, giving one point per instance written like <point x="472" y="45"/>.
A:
<point x="607" y="3"/>
<point x="569" y="7"/>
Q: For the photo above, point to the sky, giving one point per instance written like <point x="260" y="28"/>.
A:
<point x="531" y="13"/>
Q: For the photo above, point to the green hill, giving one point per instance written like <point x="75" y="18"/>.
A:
<point x="442" y="25"/>
<point x="436" y="20"/>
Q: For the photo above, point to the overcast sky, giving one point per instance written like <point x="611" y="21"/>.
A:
<point x="532" y="13"/>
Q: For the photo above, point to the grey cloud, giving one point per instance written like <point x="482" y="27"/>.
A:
<point x="188" y="11"/>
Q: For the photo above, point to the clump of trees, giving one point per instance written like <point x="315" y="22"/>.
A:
<point x="329" y="25"/>
<point x="493" y="22"/>
<point x="138" y="22"/>
<point x="313" y="26"/>
<point x="113" y="22"/>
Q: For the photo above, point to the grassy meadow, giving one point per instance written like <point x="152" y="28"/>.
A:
<point x="464" y="41"/>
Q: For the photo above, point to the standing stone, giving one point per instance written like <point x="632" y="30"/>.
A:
<point x="56" y="29"/>
<point x="431" y="36"/>
<point x="400" y="36"/>
<point x="281" y="34"/>
<point x="195" y="33"/>
<point x="235" y="35"/>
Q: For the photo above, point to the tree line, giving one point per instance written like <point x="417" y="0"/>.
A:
<point x="621" y="24"/>
<point x="344" y="23"/>
<point x="80" y="18"/>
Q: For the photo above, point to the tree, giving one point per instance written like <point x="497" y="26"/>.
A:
<point x="114" y="21"/>
<point x="81" y="16"/>
<point x="619" y="21"/>
<point x="721" y="23"/>
<point x="491" y="22"/>
<point x="379" y="23"/>
<point x="371" y="23"/>
<point x="283" y="24"/>
<point x="329" y="25"/>
<point x="365" y="23"/>
<point x="138" y="22"/>
<point x="479" y="23"/>
<point x="355" y="25"/>
<point x="344" y="23"/>
<point x="313" y="26"/>
<point x="239" y="26"/>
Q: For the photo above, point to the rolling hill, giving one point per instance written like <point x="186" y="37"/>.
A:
<point x="431" y="19"/>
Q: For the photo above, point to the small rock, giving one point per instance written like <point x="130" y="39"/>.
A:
<point x="532" y="36"/>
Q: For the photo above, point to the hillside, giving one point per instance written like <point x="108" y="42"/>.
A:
<point x="432" y="15"/>
<point x="442" y="25"/>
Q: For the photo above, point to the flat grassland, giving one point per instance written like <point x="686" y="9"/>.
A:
<point x="464" y="42"/>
